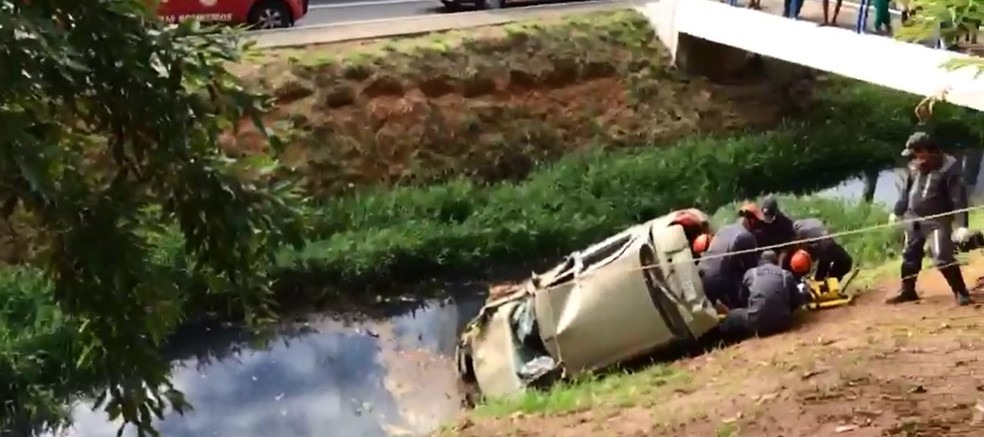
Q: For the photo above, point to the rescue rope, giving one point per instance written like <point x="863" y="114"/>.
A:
<point x="863" y="230"/>
<point x="897" y="224"/>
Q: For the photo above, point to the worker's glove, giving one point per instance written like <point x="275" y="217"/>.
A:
<point x="960" y="235"/>
<point x="893" y="219"/>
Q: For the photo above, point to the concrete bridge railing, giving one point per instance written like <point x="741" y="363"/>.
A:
<point x="701" y="33"/>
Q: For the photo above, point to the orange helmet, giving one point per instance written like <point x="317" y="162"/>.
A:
<point x="800" y="262"/>
<point x="701" y="243"/>
<point x="750" y="210"/>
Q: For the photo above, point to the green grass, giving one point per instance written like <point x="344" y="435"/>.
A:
<point x="376" y="238"/>
<point x="618" y="389"/>
<point x="380" y="238"/>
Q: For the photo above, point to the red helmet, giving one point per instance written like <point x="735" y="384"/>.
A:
<point x="690" y="217"/>
<point x="800" y="262"/>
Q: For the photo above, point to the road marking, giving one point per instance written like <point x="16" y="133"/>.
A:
<point x="368" y="4"/>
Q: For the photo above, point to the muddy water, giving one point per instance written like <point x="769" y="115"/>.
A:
<point x="319" y="377"/>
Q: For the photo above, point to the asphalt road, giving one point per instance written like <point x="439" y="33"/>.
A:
<point x="340" y="11"/>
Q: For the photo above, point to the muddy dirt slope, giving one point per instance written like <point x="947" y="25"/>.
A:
<point x="488" y="103"/>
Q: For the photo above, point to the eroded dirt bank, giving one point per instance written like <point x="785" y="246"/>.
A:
<point x="490" y="103"/>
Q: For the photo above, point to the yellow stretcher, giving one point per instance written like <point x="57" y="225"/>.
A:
<point x="828" y="293"/>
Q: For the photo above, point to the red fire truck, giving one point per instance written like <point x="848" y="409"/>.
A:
<point x="258" y="14"/>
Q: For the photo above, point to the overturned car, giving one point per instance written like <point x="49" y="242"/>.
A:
<point x="629" y="295"/>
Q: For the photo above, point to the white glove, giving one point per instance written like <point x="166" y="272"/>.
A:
<point x="892" y="219"/>
<point x="960" y="235"/>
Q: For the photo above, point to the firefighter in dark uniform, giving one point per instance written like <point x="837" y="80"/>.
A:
<point x="831" y="259"/>
<point x="771" y="227"/>
<point x="775" y="228"/>
<point x="720" y="273"/>
<point x="770" y="297"/>
<point x="933" y="185"/>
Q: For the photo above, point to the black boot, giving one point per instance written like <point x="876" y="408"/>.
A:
<point x="956" y="281"/>
<point x="906" y="294"/>
<point x="909" y="272"/>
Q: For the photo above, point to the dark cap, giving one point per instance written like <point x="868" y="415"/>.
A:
<point x="917" y="140"/>
<point x="769" y="207"/>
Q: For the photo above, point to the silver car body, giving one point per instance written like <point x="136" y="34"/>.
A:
<point x="632" y="294"/>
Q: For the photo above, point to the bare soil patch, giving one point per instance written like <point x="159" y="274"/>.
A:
<point x="865" y="370"/>
<point x="489" y="103"/>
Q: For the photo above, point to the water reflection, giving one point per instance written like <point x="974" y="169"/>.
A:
<point x="884" y="186"/>
<point x="319" y="377"/>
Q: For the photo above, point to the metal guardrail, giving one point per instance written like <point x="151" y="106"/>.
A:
<point x="358" y="30"/>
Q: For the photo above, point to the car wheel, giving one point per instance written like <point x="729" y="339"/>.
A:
<point x="451" y="6"/>
<point x="270" y="14"/>
<point x="491" y="4"/>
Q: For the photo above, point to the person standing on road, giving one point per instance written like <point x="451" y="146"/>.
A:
<point x="721" y="270"/>
<point x="770" y="297"/>
<point x="933" y="185"/>
<point x="787" y="8"/>
<point x="826" y="10"/>
<point x="831" y="259"/>
<point x="883" y="19"/>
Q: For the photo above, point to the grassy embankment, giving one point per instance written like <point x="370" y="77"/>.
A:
<point x="484" y="207"/>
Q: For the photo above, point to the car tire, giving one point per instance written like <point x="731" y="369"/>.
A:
<point x="491" y="4"/>
<point x="450" y="6"/>
<point x="270" y="14"/>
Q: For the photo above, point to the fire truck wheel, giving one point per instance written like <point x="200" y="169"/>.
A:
<point x="270" y="14"/>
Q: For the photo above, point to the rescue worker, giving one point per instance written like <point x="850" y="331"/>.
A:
<point x="933" y="185"/>
<point x="770" y="297"/>
<point x="831" y="259"/>
<point x="721" y="270"/>
<point x="770" y="227"/>
<point x="775" y="228"/>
